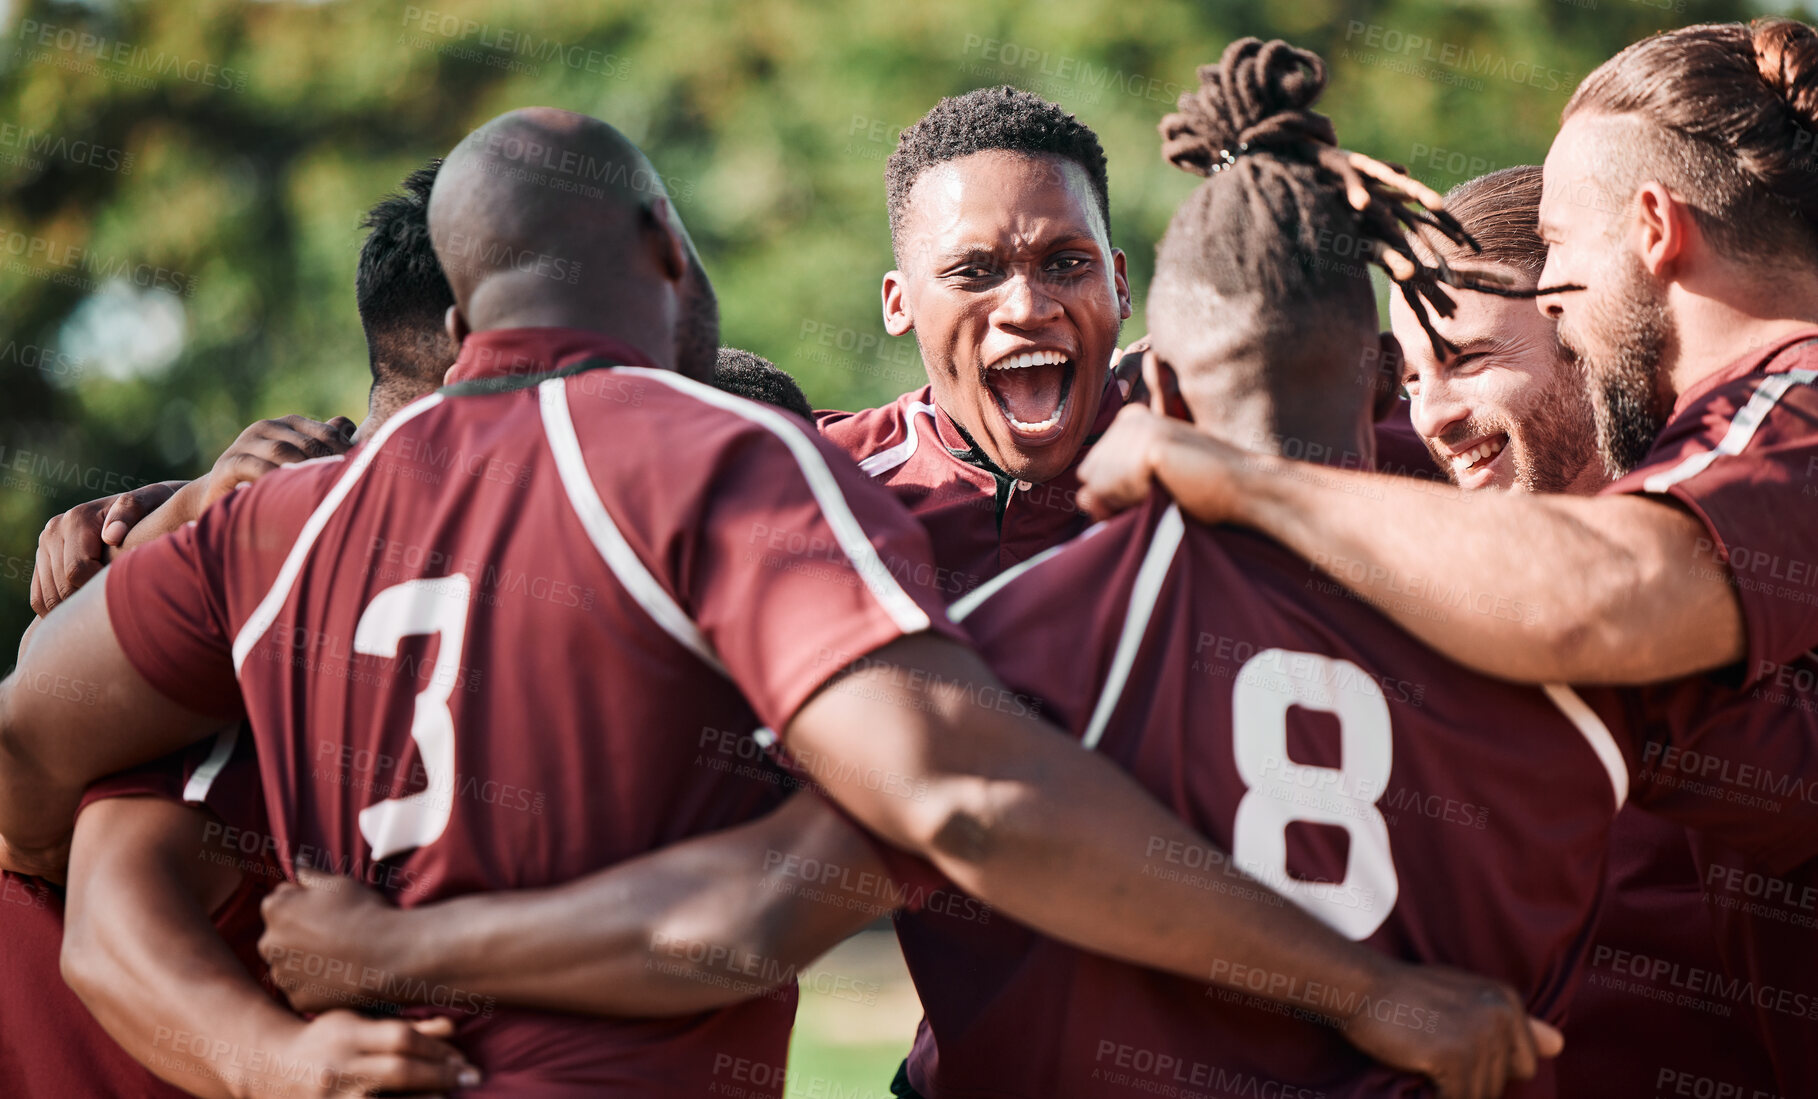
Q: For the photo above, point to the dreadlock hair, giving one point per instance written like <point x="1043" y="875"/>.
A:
<point x="1729" y="120"/>
<point x="401" y="291"/>
<point x="1002" y="118"/>
<point x="759" y="379"/>
<point x="1283" y="206"/>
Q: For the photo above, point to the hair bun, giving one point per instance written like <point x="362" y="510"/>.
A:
<point x="1259" y="95"/>
<point x="1786" y="56"/>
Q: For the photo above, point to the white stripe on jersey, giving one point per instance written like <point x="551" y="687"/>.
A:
<point x="267" y="611"/>
<point x="1143" y="594"/>
<point x="975" y="598"/>
<point x="1741" y="431"/>
<point x="908" y="616"/>
<point x="195" y="791"/>
<point x="1596" y="734"/>
<point x="558" y="428"/>
<point x="886" y="460"/>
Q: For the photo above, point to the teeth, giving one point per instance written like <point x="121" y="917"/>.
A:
<point x="1031" y="358"/>
<point x="1044" y="425"/>
<point x="1476" y="454"/>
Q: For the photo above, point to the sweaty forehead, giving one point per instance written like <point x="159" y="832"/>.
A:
<point x="1002" y="201"/>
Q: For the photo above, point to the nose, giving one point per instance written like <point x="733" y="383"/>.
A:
<point x="1439" y="407"/>
<point x="1550" y="304"/>
<point x="1026" y="304"/>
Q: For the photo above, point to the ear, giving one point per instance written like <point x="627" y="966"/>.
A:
<point x="1388" y="376"/>
<point x="1164" y="389"/>
<point x="1123" y="284"/>
<point x="1663" y="228"/>
<point x="897" y="318"/>
<point x="667" y="240"/>
<point x="456" y="324"/>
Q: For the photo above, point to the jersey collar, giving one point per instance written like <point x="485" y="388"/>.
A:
<point x="508" y="352"/>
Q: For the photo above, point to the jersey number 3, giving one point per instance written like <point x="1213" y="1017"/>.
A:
<point x="419" y="607"/>
<point x="1282" y="791"/>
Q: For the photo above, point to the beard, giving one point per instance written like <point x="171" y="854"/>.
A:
<point x="1557" y="437"/>
<point x="1626" y="398"/>
<point x="697" y="332"/>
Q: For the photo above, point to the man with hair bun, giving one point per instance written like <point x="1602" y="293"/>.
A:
<point x="1680" y="221"/>
<point x="1680" y="211"/>
<point x="1509" y="382"/>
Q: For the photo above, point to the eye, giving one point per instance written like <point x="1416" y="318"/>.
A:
<point x="970" y="272"/>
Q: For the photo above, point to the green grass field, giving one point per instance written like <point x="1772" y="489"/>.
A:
<point x="856" y="1020"/>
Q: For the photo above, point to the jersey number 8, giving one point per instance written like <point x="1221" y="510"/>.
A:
<point x="1282" y="791"/>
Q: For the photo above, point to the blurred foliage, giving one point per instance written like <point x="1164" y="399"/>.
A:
<point x="225" y="150"/>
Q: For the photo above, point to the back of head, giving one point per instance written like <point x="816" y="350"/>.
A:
<point x="545" y="217"/>
<point x="401" y="292"/>
<point x="758" y="379"/>
<point x="1727" y="117"/>
<point x="1282" y="233"/>
<point x="1003" y="118"/>
<point x="1501" y="211"/>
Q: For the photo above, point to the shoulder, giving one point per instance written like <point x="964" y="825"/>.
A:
<point x="864" y="433"/>
<point x="1084" y="580"/>
<point x="1737" y="420"/>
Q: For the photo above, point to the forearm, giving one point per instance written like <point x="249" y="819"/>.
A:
<point x="1537" y="589"/>
<point x="689" y="928"/>
<point x="138" y="928"/>
<point x="74" y="710"/>
<point x="1020" y="816"/>
<point x="1120" y="870"/>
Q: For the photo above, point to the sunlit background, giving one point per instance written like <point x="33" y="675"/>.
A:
<point x="180" y="186"/>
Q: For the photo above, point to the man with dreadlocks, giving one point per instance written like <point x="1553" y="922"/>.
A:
<point x="1398" y="796"/>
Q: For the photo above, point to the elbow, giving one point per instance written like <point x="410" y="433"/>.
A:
<point x="80" y="959"/>
<point x="968" y="822"/>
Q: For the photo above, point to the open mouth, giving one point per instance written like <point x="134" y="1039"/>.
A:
<point x="1478" y="459"/>
<point x="1032" y="388"/>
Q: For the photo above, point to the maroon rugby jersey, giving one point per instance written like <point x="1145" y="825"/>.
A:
<point x="50" y="1046"/>
<point x="1741" y="452"/>
<point x="981" y="520"/>
<point x="1436" y="814"/>
<point x="524" y="633"/>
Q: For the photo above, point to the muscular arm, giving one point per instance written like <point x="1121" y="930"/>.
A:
<point x="73" y="711"/>
<point x="1056" y="836"/>
<point x="696" y="926"/>
<point x="137" y="927"/>
<point x="1532" y="588"/>
<point x="141" y="888"/>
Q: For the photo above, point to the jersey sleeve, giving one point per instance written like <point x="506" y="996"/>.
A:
<point x="176" y="603"/>
<point x="1740" y="766"/>
<point x="218" y="773"/>
<point x="168" y="610"/>
<point x="802" y="567"/>
<point x="1743" y="458"/>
